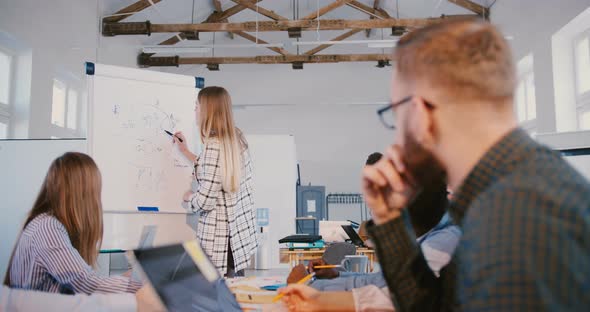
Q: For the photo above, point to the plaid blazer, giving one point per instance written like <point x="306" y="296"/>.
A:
<point x="224" y="217"/>
<point x="525" y="216"/>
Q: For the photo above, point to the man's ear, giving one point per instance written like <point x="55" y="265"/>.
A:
<point x="423" y="123"/>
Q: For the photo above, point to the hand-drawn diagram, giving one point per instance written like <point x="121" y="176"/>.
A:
<point x="140" y="164"/>
<point x="154" y="156"/>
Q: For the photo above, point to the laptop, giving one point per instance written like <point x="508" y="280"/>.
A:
<point x="185" y="279"/>
<point x="354" y="237"/>
<point x="331" y="231"/>
<point x="146" y="240"/>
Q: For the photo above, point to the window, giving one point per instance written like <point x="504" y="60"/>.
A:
<point x="5" y="74"/>
<point x="582" y="76"/>
<point x="3" y="130"/>
<point x="58" y="106"/>
<point x="6" y="69"/>
<point x="526" y="105"/>
<point x="582" y="68"/>
<point x="72" y="109"/>
<point x="584" y="120"/>
<point x="570" y="47"/>
<point x="64" y="107"/>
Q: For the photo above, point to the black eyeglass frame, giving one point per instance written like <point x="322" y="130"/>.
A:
<point x="381" y="112"/>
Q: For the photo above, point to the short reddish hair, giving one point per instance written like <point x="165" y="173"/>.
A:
<point x="462" y="58"/>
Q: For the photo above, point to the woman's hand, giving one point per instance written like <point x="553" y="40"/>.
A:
<point x="301" y="298"/>
<point x="182" y="146"/>
<point x="147" y="300"/>
<point x="178" y="137"/>
<point x="128" y="273"/>
<point x="188" y="196"/>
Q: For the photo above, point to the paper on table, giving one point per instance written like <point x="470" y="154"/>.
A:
<point x="256" y="282"/>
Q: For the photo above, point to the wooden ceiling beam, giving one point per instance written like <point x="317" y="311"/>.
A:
<point x="328" y="8"/>
<point x="247" y="36"/>
<point x="473" y="7"/>
<point x="231" y="11"/>
<point x="375" y="6"/>
<point x="173" y="40"/>
<point x="270" y="14"/>
<point x="146" y="28"/>
<point x="374" y="12"/>
<point x="147" y="61"/>
<point x="214" y="17"/>
<point x="218" y="8"/>
<point x="339" y="38"/>
<point x="260" y="10"/>
<point x="129" y="10"/>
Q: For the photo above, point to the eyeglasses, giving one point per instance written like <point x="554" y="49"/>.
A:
<point x="387" y="119"/>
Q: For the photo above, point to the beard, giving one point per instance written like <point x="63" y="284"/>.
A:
<point x="429" y="178"/>
<point x="423" y="166"/>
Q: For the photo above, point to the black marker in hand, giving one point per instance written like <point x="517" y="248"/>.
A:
<point x="172" y="135"/>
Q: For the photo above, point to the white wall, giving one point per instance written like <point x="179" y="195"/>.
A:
<point x="53" y="39"/>
<point x="333" y="141"/>
<point x="59" y="37"/>
<point x="532" y="23"/>
<point x="329" y="108"/>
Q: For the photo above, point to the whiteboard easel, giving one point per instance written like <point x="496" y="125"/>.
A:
<point x="129" y="111"/>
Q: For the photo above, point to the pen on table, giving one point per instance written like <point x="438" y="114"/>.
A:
<point x="327" y="266"/>
<point x="301" y="281"/>
<point x="172" y="135"/>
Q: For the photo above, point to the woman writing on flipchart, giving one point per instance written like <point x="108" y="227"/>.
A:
<point x="221" y="191"/>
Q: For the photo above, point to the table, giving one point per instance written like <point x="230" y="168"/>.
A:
<point x="298" y="255"/>
<point x="251" y="297"/>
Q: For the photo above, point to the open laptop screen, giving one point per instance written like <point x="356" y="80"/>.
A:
<point x="183" y="284"/>
<point x="354" y="237"/>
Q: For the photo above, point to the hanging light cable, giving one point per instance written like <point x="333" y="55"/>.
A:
<point x="318" y="19"/>
<point x="256" y="23"/>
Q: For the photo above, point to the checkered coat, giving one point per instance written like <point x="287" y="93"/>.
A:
<point x="224" y="216"/>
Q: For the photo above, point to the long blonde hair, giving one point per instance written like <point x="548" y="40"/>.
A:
<point x="216" y="120"/>
<point x="71" y="193"/>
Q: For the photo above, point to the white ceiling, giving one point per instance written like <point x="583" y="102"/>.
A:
<point x="187" y="11"/>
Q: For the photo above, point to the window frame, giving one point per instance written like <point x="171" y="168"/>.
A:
<point x="5" y="121"/>
<point x="55" y="81"/>
<point x="6" y="108"/>
<point x="582" y="100"/>
<point x="530" y="124"/>
<point x="69" y="86"/>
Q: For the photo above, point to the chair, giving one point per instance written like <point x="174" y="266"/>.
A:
<point x="336" y="252"/>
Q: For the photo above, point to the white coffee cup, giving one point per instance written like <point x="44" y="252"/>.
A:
<point x="356" y="263"/>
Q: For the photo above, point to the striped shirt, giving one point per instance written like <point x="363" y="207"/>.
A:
<point x="45" y="260"/>
<point x="525" y="217"/>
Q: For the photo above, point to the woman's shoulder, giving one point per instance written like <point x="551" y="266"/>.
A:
<point x="44" y="224"/>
